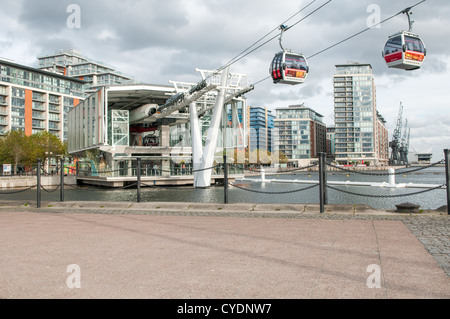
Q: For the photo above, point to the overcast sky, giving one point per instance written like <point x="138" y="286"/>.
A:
<point x="158" y="41"/>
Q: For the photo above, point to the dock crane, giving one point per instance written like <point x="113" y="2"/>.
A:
<point x="404" y="146"/>
<point x="396" y="143"/>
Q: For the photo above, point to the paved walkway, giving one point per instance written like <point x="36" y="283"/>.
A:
<point x="239" y="251"/>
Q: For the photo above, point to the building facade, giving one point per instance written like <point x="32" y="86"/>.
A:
<point x="73" y="64"/>
<point x="111" y="128"/>
<point x="260" y="128"/>
<point x="331" y="147"/>
<point x="361" y="135"/>
<point x="301" y="133"/>
<point x="34" y="100"/>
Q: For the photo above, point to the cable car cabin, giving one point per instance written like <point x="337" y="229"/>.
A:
<point x="404" y="50"/>
<point x="150" y="140"/>
<point x="289" y="68"/>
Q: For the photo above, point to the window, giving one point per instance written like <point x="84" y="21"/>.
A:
<point x="393" y="45"/>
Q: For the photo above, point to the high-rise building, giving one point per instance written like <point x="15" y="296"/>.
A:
<point x="260" y="128"/>
<point x="361" y="134"/>
<point x="301" y="133"/>
<point x="73" y="64"/>
<point x="34" y="100"/>
<point x="331" y="149"/>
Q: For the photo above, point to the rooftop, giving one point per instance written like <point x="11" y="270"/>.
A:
<point x="31" y="69"/>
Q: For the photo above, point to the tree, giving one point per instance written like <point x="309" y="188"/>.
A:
<point x="14" y="148"/>
<point x="44" y="145"/>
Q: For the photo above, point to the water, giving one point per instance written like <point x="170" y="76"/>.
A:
<point x="430" y="200"/>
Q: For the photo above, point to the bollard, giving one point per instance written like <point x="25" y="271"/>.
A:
<point x="263" y="175"/>
<point x="38" y="183"/>
<point x="324" y="172"/>
<point x="61" y="181"/>
<point x="447" y="178"/>
<point x="225" y="180"/>
<point x="391" y="176"/>
<point x="321" y="183"/>
<point x="138" y="180"/>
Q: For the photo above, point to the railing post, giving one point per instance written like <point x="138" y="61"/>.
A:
<point x="225" y="180"/>
<point x="38" y="183"/>
<point x="447" y="178"/>
<point x="324" y="171"/>
<point x="321" y="184"/>
<point x="61" y="181"/>
<point x="138" y="179"/>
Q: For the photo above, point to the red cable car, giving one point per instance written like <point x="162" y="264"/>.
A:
<point x="404" y="50"/>
<point x="289" y="68"/>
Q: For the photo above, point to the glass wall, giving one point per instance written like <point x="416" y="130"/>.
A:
<point x="118" y="127"/>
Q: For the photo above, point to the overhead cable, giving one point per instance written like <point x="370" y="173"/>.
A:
<point x="352" y="36"/>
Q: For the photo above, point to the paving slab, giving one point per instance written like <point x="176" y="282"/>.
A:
<point x="151" y="256"/>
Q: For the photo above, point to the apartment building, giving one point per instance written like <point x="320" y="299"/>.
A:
<point x="73" y="64"/>
<point x="34" y="100"/>
<point x="331" y="147"/>
<point x="301" y="133"/>
<point x="260" y="128"/>
<point x="360" y="131"/>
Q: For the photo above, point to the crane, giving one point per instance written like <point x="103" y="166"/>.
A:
<point x="395" y="143"/>
<point x="403" y="149"/>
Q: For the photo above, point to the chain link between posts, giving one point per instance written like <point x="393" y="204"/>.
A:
<point x="18" y="191"/>
<point x="386" y="196"/>
<point x="274" y="193"/>
<point x="385" y="174"/>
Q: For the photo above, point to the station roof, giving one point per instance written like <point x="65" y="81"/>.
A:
<point x="132" y="96"/>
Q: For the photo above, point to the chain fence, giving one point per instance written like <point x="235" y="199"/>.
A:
<point x="273" y="193"/>
<point x="50" y="190"/>
<point x="384" y="174"/>
<point x="387" y="196"/>
<point x="322" y="183"/>
<point x="278" y="169"/>
<point x="17" y="191"/>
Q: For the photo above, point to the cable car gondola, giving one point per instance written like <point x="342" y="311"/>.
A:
<point x="404" y="50"/>
<point x="288" y="67"/>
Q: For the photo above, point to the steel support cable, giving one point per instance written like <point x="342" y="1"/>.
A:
<point x="350" y="37"/>
<point x="273" y="193"/>
<point x="387" y="196"/>
<point x="277" y="35"/>
<point x="238" y="56"/>
<point x="385" y="174"/>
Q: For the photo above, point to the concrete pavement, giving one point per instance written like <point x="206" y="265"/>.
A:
<point x="194" y="250"/>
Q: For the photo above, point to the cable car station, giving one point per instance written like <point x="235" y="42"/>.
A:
<point x="175" y="129"/>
